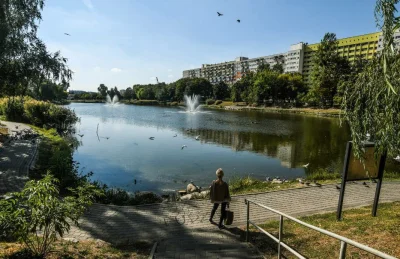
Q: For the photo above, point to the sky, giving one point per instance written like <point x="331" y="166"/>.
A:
<point x="126" y="42"/>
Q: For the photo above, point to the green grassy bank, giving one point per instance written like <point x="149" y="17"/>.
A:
<point x="381" y="233"/>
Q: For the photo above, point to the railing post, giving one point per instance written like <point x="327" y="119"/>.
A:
<point x="280" y="236"/>
<point x="248" y="218"/>
<point x="343" y="246"/>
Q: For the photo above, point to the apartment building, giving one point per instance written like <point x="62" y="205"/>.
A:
<point x="364" y="46"/>
<point x="297" y="60"/>
<point x="232" y="71"/>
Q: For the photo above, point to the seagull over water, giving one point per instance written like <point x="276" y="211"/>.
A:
<point x="197" y="137"/>
<point x="176" y="135"/>
<point x="183" y="146"/>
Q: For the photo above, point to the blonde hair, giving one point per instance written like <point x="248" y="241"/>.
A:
<point x="219" y="173"/>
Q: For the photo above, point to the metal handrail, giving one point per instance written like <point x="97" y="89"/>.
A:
<point x="343" y="243"/>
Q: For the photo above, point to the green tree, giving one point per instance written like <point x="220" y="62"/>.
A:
<point x="221" y="91"/>
<point x="372" y="105"/>
<point x="265" y="87"/>
<point x="39" y="207"/>
<point x="129" y="93"/>
<point x="263" y="66"/>
<point x="328" y="68"/>
<point x="24" y="58"/>
<point x="103" y="90"/>
<point x="278" y="67"/>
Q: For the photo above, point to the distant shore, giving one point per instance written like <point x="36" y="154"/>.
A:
<point x="233" y="107"/>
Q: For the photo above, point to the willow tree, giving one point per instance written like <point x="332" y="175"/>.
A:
<point x="372" y="104"/>
<point x="24" y="59"/>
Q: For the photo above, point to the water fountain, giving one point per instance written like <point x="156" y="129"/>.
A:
<point x="192" y="103"/>
<point x="113" y="101"/>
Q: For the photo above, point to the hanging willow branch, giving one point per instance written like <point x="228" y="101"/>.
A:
<point x="372" y="104"/>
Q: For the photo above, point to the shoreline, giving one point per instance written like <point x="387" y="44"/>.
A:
<point x="334" y="113"/>
<point x="229" y="106"/>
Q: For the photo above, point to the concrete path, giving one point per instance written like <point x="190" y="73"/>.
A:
<point x="16" y="157"/>
<point x="187" y="220"/>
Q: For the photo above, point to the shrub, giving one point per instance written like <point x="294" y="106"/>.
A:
<point x="218" y="102"/>
<point x="121" y="197"/>
<point x="39" y="113"/>
<point x="12" y="108"/>
<point x="210" y="101"/>
<point x="38" y="207"/>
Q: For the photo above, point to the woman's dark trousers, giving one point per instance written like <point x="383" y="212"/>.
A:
<point x="223" y="212"/>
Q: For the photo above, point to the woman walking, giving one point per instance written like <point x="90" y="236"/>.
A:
<point x="219" y="194"/>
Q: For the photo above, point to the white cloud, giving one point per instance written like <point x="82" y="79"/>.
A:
<point x="88" y="3"/>
<point x="170" y="76"/>
<point x="116" y="70"/>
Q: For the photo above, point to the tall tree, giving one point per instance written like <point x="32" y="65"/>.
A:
<point x="103" y="90"/>
<point x="372" y="105"/>
<point x="328" y="67"/>
<point x="129" y="93"/>
<point x="24" y="58"/>
<point x="220" y="91"/>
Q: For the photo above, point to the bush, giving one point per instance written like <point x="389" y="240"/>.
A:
<point x="12" y="108"/>
<point x="121" y="197"/>
<point x="218" y="102"/>
<point x="39" y="113"/>
<point x="38" y="207"/>
<point x="210" y="101"/>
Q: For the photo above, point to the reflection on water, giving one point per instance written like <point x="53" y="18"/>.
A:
<point x="242" y="143"/>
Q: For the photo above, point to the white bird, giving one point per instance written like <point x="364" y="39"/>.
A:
<point x="197" y="137"/>
<point x="183" y="146"/>
<point x="368" y="136"/>
<point x="397" y="158"/>
<point x="306" y="165"/>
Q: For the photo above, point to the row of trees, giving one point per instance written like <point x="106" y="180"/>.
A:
<point x="330" y="76"/>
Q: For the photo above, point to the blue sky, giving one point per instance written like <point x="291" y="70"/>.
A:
<point x="125" y="42"/>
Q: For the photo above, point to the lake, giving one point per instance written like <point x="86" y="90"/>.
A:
<point x="243" y="143"/>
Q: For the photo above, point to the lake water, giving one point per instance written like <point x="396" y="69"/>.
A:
<point x="242" y="143"/>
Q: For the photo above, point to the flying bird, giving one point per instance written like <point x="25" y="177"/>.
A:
<point x="151" y="138"/>
<point x="238" y="20"/>
<point x="219" y="14"/>
<point x="176" y="135"/>
<point x="80" y="135"/>
<point x="183" y="146"/>
<point x="337" y="187"/>
<point x="306" y="166"/>
<point x="66" y="34"/>
<point x="197" y="137"/>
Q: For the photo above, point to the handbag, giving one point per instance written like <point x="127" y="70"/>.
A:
<point x="228" y="217"/>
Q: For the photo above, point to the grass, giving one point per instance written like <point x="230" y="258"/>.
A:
<point x="381" y="233"/>
<point x="246" y="185"/>
<point x="82" y="249"/>
<point x="309" y="111"/>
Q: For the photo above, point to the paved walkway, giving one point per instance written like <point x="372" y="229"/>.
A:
<point x="189" y="220"/>
<point x="15" y="159"/>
